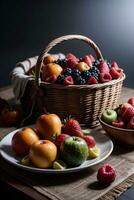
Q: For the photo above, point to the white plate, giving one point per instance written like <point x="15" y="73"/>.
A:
<point x="103" y="142"/>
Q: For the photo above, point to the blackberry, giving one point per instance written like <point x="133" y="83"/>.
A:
<point x="86" y="74"/>
<point x="61" y="62"/>
<point x="80" y="81"/>
<point x="76" y="73"/>
<point x="97" y="62"/>
<point x="60" y="79"/>
<point x="95" y="72"/>
<point x="68" y="72"/>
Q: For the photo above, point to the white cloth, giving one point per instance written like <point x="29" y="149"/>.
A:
<point x="19" y="78"/>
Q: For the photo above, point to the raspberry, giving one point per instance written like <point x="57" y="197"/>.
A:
<point x="92" y="80"/>
<point x="106" y="174"/>
<point x="105" y="77"/>
<point x="90" y="141"/>
<point x="103" y="67"/>
<point x="131" y="101"/>
<point x="68" y="80"/>
<point x="115" y="73"/>
<point x="131" y="123"/>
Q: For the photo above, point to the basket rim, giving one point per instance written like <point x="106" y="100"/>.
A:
<point x="94" y="86"/>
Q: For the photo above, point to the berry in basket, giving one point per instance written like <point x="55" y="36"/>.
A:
<point x="79" y="71"/>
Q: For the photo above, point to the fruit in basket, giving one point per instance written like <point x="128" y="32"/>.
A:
<point x="109" y="116"/>
<point x="49" y="126"/>
<point x="43" y="153"/>
<point x="86" y="59"/>
<point x="131" y="101"/>
<point x="73" y="128"/>
<point x="48" y="59"/>
<point x="51" y="69"/>
<point x="105" y="77"/>
<point x="22" y="141"/>
<point x="106" y="174"/>
<point x="82" y="66"/>
<point x="74" y="151"/>
<point x="115" y="73"/>
<point x="68" y="80"/>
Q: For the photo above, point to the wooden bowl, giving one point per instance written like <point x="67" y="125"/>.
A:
<point x="123" y="135"/>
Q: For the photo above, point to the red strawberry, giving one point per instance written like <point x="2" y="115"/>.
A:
<point x="92" y="80"/>
<point x="72" y="127"/>
<point x="115" y="65"/>
<point x="71" y="63"/>
<point x="89" y="140"/>
<point x="60" y="138"/>
<point x="71" y="56"/>
<point x="106" y="174"/>
<point x="129" y="112"/>
<point x="105" y="77"/>
<point x="68" y="80"/>
<point x="131" y="123"/>
<point x="103" y="67"/>
<point x="51" y="79"/>
<point x="91" y="57"/>
<point x="131" y="101"/>
<point x="119" y="123"/>
<point x="116" y="73"/>
<point x="87" y="60"/>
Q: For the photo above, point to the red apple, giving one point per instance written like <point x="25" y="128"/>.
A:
<point x="131" y="101"/>
<point x="43" y="153"/>
<point x="22" y="140"/>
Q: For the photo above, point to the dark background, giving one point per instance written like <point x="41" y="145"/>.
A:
<point x="28" y="26"/>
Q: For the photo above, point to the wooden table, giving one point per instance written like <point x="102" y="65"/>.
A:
<point x="7" y="94"/>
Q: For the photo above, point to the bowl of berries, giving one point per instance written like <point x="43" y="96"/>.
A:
<point x="80" y="87"/>
<point x="119" y="122"/>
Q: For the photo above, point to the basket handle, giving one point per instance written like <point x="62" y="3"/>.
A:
<point x="59" y="40"/>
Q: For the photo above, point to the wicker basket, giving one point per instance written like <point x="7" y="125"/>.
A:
<point x="83" y="102"/>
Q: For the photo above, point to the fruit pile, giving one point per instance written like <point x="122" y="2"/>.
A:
<point x="52" y="144"/>
<point x="122" y="116"/>
<point x="79" y="71"/>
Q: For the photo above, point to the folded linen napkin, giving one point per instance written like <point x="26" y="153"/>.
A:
<point x="19" y="78"/>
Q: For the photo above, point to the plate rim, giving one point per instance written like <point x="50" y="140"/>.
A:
<point x="51" y="171"/>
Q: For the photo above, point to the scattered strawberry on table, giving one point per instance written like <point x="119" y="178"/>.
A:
<point x="53" y="144"/>
<point x="79" y="71"/>
<point x="122" y="116"/>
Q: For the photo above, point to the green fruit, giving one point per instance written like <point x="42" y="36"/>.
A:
<point x="93" y="152"/>
<point x="59" y="164"/>
<point x="109" y="116"/>
<point x="74" y="151"/>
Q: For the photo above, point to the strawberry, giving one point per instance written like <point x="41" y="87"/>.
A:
<point x="116" y="73"/>
<point x="106" y="174"/>
<point x="60" y="138"/>
<point x="103" y="67"/>
<point x="131" y="101"/>
<point x="89" y="140"/>
<point x="71" y="56"/>
<point x="87" y="60"/>
<point x="119" y="123"/>
<point x="105" y="77"/>
<point x="91" y="57"/>
<point x="131" y="123"/>
<point x="129" y="112"/>
<point x="92" y="80"/>
<point x="115" y="65"/>
<point x="71" y="63"/>
<point x="68" y="80"/>
<point x="72" y="127"/>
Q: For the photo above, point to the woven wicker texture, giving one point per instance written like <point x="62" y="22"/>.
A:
<point x="84" y="102"/>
